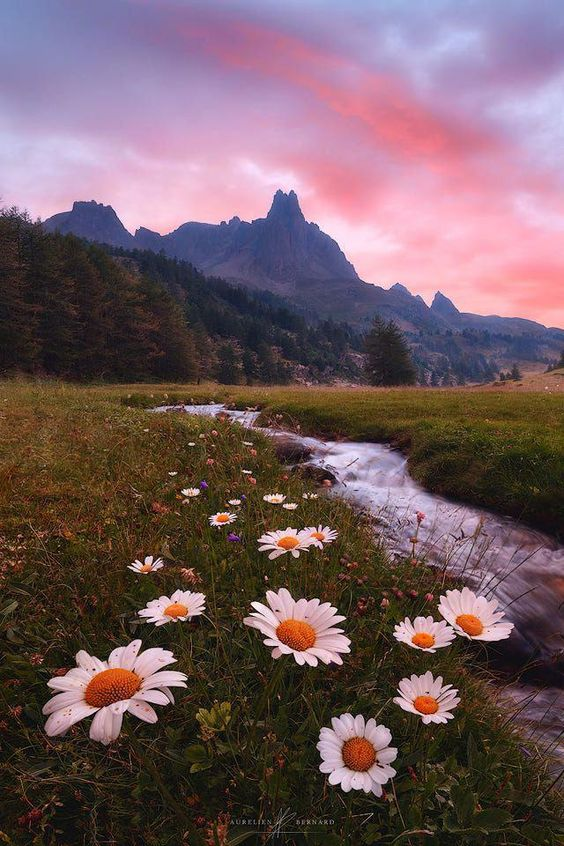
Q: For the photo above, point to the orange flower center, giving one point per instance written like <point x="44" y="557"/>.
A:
<point x="222" y="518"/>
<point x="288" y="542"/>
<point x="423" y="640"/>
<point x="145" y="568"/>
<point x="318" y="536"/>
<point x="358" y="754"/>
<point x="296" y="634"/>
<point x="426" y="705"/>
<point x="176" y="610"/>
<point x="111" y="686"/>
<point x="470" y="624"/>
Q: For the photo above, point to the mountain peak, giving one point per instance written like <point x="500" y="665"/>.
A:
<point x="93" y="221"/>
<point x="285" y="206"/>
<point x="401" y="289"/>
<point x="442" y="305"/>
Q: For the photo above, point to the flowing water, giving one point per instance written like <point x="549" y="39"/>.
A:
<point x="495" y="555"/>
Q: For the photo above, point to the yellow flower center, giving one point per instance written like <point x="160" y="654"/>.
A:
<point x="470" y="624"/>
<point x="296" y="634"/>
<point x="111" y="686"/>
<point x="222" y="518"/>
<point x="145" y="568"/>
<point x="176" y="610"/>
<point x="288" y="542"/>
<point x="318" y="536"/>
<point x="426" y="705"/>
<point x="423" y="640"/>
<point x="358" y="754"/>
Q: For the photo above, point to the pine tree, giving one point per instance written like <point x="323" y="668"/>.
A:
<point x="18" y="347"/>
<point x="516" y="374"/>
<point x="228" y="370"/>
<point x="388" y="357"/>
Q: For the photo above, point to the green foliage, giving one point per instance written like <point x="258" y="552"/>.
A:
<point x="388" y="356"/>
<point x="68" y="309"/>
<point x="85" y="490"/>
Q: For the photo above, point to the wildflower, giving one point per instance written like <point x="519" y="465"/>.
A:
<point x="248" y="443"/>
<point x="234" y="502"/>
<point x="428" y="597"/>
<point x="310" y="496"/>
<point x="247" y="472"/>
<point x="215" y="433"/>
<point x="173" y="473"/>
<point x="190" y="492"/>
<point x="222" y="518"/>
<point x="281" y="542"/>
<point x="424" y="633"/>
<point x="128" y="681"/>
<point x="191" y="444"/>
<point x="274" y="499"/>
<point x="427" y="697"/>
<point x="304" y="629"/>
<point x="149" y="565"/>
<point x="474" y="617"/>
<point x="420" y="516"/>
<point x="384" y="603"/>
<point x="180" y="606"/>
<point x="357" y="754"/>
<point x="321" y="535"/>
<point x="253" y="452"/>
<point x="252" y="480"/>
<point x="210" y="461"/>
<point x="290" y="506"/>
<point x="233" y="538"/>
<point x="204" y="485"/>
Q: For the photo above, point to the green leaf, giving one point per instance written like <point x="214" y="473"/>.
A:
<point x="463" y="801"/>
<point x="196" y="754"/>
<point x="491" y="819"/>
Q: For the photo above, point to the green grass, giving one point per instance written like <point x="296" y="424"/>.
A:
<point x="84" y="489"/>
<point x="503" y="451"/>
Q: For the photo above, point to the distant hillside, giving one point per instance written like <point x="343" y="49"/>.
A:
<point x="69" y="308"/>
<point x="284" y="254"/>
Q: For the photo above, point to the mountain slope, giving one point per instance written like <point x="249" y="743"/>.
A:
<point x="284" y="254"/>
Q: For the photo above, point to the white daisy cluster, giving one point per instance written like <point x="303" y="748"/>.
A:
<point x="356" y="753"/>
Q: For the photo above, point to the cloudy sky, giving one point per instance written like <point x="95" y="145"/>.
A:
<point x="426" y="137"/>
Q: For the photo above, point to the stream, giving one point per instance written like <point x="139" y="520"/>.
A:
<point x="494" y="555"/>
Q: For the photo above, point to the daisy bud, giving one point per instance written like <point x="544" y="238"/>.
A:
<point x="429" y="597"/>
<point x="384" y="603"/>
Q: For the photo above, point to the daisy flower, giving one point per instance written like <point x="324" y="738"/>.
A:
<point x="247" y="472"/>
<point x="474" y="617"/>
<point x="189" y="492"/>
<point x="222" y="518"/>
<point x="424" y="633"/>
<point x="274" y="499"/>
<point x="191" y="444"/>
<point x="310" y="496"/>
<point x="149" y="565"/>
<point x="290" y="506"/>
<point x="428" y="698"/>
<point x="180" y="606"/>
<point x="321" y="535"/>
<point x="280" y="542"/>
<point x="305" y="629"/>
<point x="247" y="443"/>
<point x="357" y="754"/>
<point x="128" y="681"/>
<point x="234" y="502"/>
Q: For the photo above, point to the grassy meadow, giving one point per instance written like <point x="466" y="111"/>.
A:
<point x="87" y="486"/>
<point x="499" y="449"/>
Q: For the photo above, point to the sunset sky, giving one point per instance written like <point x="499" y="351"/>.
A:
<point x="426" y="137"/>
